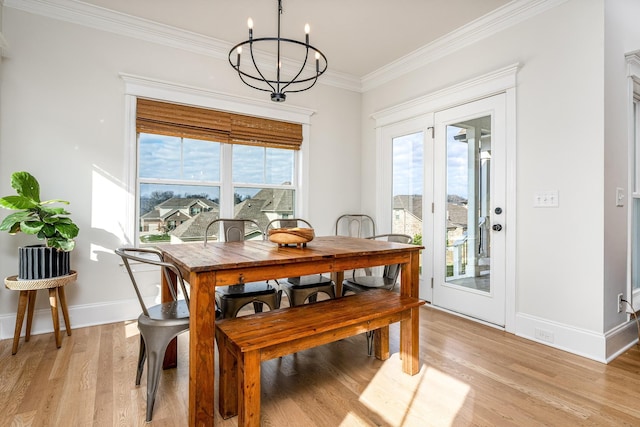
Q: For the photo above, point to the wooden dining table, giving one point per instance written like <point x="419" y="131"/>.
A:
<point x="229" y="263"/>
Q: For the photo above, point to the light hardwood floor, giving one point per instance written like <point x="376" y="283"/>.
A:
<point x="471" y="375"/>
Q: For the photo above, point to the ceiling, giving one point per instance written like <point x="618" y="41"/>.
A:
<point x="357" y="36"/>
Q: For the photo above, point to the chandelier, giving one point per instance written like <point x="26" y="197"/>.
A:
<point x="273" y="78"/>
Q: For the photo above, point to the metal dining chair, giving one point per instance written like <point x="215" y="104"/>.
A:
<point x="304" y="288"/>
<point x="160" y="323"/>
<point x="231" y="299"/>
<point x="387" y="278"/>
<point x="355" y="225"/>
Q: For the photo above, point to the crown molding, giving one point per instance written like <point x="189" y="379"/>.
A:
<point x="100" y="18"/>
<point x="103" y="19"/>
<point x="502" y="18"/>
<point x="633" y="63"/>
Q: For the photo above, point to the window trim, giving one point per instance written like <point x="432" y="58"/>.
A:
<point x="137" y="86"/>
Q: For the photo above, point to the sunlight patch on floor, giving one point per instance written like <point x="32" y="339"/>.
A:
<point x="131" y="329"/>
<point x="352" y="420"/>
<point x="392" y="394"/>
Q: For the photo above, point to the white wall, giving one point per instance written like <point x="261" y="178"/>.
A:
<point x="63" y="112"/>
<point x="560" y="146"/>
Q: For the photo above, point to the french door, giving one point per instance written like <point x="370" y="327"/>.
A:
<point x="469" y="195"/>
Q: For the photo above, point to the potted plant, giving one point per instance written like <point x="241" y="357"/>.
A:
<point x="46" y="222"/>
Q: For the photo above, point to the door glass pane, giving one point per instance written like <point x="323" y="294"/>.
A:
<point x="468" y="245"/>
<point x="408" y="173"/>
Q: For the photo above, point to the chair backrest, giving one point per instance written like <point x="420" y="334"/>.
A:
<point x="392" y="271"/>
<point x="287" y="223"/>
<point x="355" y="225"/>
<point x="153" y="257"/>
<point x="233" y="230"/>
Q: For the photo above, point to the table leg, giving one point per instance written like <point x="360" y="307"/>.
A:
<point x="65" y="312"/>
<point x="338" y="277"/>
<point x="409" y="328"/>
<point x="53" y="302"/>
<point x="30" y="307"/>
<point x="202" y="369"/>
<point x="22" y="305"/>
<point x="249" y="389"/>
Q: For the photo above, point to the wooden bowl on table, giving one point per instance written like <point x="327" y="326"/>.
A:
<point x="291" y="236"/>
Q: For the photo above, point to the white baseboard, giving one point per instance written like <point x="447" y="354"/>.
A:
<point x="600" y="347"/>
<point x="80" y="316"/>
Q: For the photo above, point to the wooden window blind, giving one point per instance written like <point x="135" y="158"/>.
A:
<point x="201" y="123"/>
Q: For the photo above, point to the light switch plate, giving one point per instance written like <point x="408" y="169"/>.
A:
<point x="619" y="196"/>
<point x="545" y="199"/>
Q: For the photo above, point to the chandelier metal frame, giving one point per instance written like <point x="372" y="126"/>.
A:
<point x="252" y="76"/>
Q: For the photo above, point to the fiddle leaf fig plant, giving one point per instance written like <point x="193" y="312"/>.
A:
<point x="37" y="217"/>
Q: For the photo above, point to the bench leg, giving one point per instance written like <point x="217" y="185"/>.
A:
<point x="228" y="377"/>
<point x="409" y="345"/>
<point x="249" y="389"/>
<point x="381" y="343"/>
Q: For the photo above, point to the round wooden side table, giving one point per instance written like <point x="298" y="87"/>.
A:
<point x="28" y="289"/>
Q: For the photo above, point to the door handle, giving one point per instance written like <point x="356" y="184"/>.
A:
<point x="497" y="227"/>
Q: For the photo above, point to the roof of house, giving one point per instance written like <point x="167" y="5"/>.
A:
<point x="411" y="203"/>
<point x="457" y="215"/>
<point x="267" y="200"/>
<point x="195" y="227"/>
<point x="184" y="202"/>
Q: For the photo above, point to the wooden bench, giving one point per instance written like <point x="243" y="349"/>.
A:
<point x="244" y="342"/>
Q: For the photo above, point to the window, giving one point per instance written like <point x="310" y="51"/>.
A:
<point x="196" y="165"/>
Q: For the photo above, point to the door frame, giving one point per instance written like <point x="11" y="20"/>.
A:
<point x="499" y="81"/>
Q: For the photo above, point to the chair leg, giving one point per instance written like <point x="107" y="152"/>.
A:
<point x="369" y="343"/>
<point x="142" y="357"/>
<point x="257" y="306"/>
<point x="156" y="341"/>
<point x="155" y="357"/>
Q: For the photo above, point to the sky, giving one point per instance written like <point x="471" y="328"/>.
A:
<point x="166" y="157"/>
<point x="408" y="161"/>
